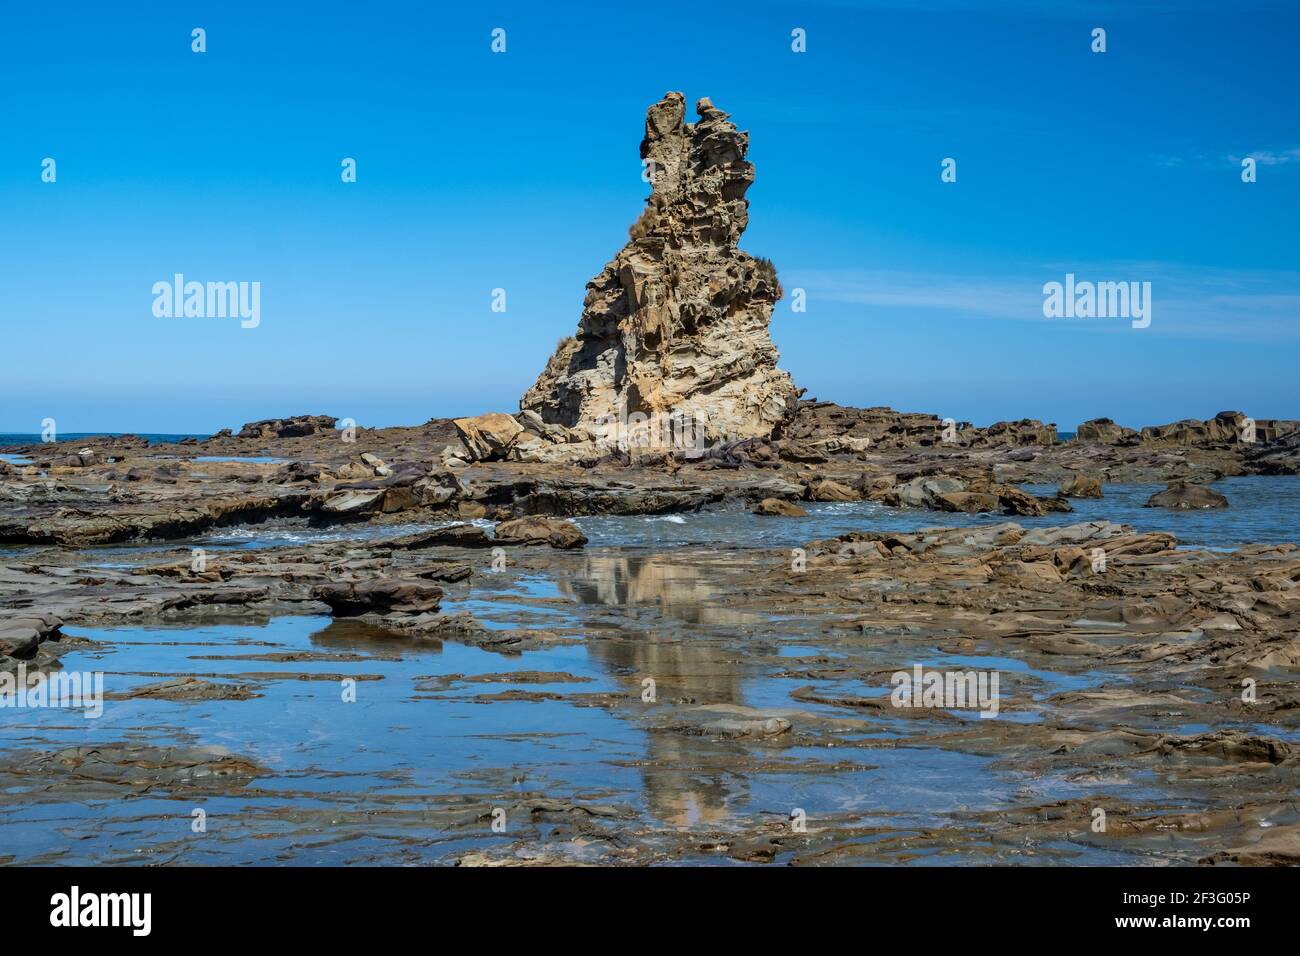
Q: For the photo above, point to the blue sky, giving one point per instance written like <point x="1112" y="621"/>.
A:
<point x="520" y="171"/>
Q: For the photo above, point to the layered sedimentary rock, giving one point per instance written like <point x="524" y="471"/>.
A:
<point x="673" y="348"/>
<point x="1224" y="430"/>
<point x="1281" y="456"/>
<point x="841" y="428"/>
<point x="295" y="427"/>
<point x="1105" y="431"/>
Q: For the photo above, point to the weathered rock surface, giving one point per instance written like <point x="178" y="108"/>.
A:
<point x="1104" y="431"/>
<point x="296" y="427"/>
<point x="1281" y="456"/>
<point x="22" y="637"/>
<point x="456" y="535"/>
<point x="828" y="490"/>
<point x="555" y="532"/>
<point x="673" y="348"/>
<point x="1223" y="430"/>
<point x="776" y="508"/>
<point x="969" y="494"/>
<point x="840" y="429"/>
<point x="1080" y="486"/>
<point x="488" y="436"/>
<point x="1185" y="496"/>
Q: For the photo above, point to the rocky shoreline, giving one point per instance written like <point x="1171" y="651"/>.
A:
<point x="114" y="490"/>
<point x="1167" y="634"/>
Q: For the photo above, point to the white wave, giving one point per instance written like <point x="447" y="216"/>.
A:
<point x="264" y="534"/>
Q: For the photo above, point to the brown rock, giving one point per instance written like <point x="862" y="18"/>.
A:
<point x="970" y="502"/>
<point x="350" y="598"/>
<point x="354" y="502"/>
<point x="1185" y="496"/>
<point x="1080" y="486"/>
<point x="556" y="532"/>
<point x="488" y="436"/>
<point x="775" y="507"/>
<point x="295" y="427"/>
<point x="1224" y="430"/>
<point x="1029" y="573"/>
<point x="400" y="499"/>
<point x="471" y="510"/>
<point x="832" y="491"/>
<point x="1104" y="431"/>
<point x="456" y="535"/>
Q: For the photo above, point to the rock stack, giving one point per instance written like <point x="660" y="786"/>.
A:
<point x="672" y="351"/>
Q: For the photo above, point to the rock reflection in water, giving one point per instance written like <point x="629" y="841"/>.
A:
<point x="678" y="590"/>
<point x="344" y="634"/>
<point x="682" y="785"/>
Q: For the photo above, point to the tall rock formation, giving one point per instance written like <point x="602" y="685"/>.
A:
<point x="673" y="349"/>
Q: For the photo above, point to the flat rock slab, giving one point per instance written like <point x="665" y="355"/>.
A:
<point x="348" y="599"/>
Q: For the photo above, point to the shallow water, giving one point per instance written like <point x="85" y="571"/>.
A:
<point x="410" y="740"/>
<point x="364" y="782"/>
<point x="248" y="459"/>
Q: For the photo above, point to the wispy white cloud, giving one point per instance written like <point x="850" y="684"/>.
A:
<point x="994" y="298"/>
<point x="1270" y="157"/>
<point x="1213" y="304"/>
<point x="1275" y="156"/>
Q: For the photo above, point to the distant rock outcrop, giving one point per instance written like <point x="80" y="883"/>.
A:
<point x="672" y="350"/>
<point x="1105" y="431"/>
<point x="841" y="429"/>
<point x="296" y="427"/>
<point x="1225" y="429"/>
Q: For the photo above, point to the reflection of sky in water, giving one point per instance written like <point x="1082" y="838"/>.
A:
<point x="399" y="740"/>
